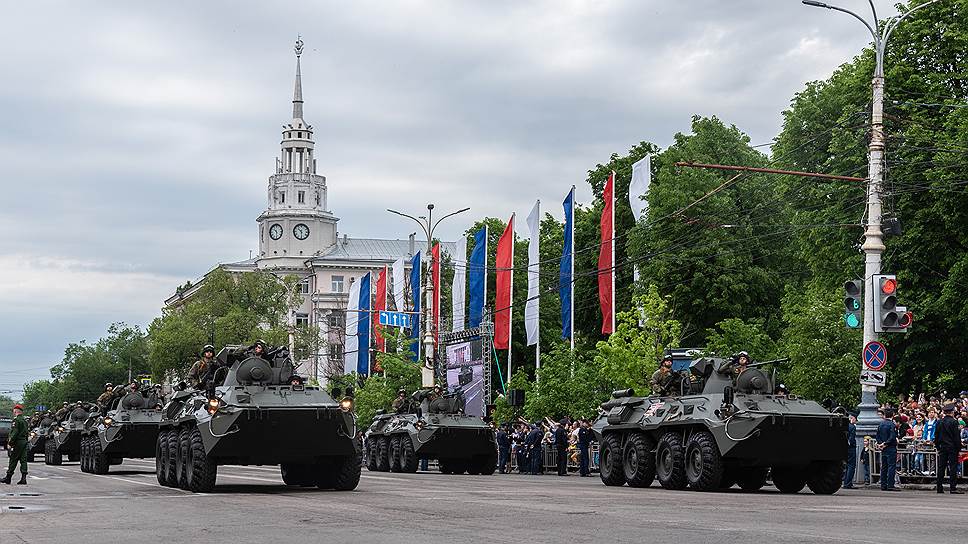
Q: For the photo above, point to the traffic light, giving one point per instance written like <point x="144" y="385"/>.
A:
<point x="853" y="290"/>
<point x="888" y="316"/>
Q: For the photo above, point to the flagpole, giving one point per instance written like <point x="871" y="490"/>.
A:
<point x="571" y="275"/>
<point x="537" y="325"/>
<point x="613" y="252"/>
<point x="511" y="301"/>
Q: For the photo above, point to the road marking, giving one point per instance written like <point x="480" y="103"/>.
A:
<point x="118" y="478"/>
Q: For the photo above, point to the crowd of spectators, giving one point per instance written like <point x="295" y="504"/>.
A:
<point x="528" y="443"/>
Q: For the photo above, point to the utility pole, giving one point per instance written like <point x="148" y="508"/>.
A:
<point x="428" y="225"/>
<point x="873" y="247"/>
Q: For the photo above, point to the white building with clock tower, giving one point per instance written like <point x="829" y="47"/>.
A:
<point x="298" y="235"/>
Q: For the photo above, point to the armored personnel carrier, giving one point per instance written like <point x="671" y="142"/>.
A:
<point x="129" y="429"/>
<point x="431" y="428"/>
<point x="719" y="431"/>
<point x="37" y="439"/>
<point x="249" y="411"/>
<point x="65" y="438"/>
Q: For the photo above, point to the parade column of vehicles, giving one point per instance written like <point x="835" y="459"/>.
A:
<point x="723" y="427"/>
<point x="128" y="428"/>
<point x="251" y="409"/>
<point x="430" y="425"/>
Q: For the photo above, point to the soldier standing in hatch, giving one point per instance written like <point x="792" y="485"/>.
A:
<point x="400" y="402"/>
<point x="741" y="362"/>
<point x="61" y="414"/>
<point x="662" y="377"/>
<point x="17" y="446"/>
<point x="104" y="399"/>
<point x="198" y="371"/>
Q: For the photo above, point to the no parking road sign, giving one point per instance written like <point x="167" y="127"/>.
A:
<point x="875" y="355"/>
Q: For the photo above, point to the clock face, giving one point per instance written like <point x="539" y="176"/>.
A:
<point x="275" y="231"/>
<point x="300" y="231"/>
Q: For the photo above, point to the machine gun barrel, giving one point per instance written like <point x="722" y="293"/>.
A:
<point x="764" y="363"/>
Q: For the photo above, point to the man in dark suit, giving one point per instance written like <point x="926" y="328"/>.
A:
<point x="851" y="453"/>
<point x="503" y="449"/>
<point x="533" y="443"/>
<point x="561" y="443"/>
<point x="947" y="440"/>
<point x="887" y="441"/>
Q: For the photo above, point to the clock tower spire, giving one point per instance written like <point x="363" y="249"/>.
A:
<point x="296" y="223"/>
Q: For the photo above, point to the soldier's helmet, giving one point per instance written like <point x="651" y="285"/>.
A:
<point x="65" y="403"/>
<point x="260" y="344"/>
<point x="108" y="385"/>
<point x="207" y="348"/>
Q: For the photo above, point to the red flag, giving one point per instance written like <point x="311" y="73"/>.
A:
<point x="435" y="277"/>
<point x="379" y="306"/>
<point x="505" y="278"/>
<point x="606" y="258"/>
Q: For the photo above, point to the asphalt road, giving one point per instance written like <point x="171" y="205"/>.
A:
<point x="250" y="504"/>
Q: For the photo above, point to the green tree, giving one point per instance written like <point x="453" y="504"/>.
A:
<point x="378" y="391"/>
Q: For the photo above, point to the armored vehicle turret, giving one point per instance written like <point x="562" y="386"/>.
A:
<point x="250" y="409"/>
<point x="128" y="429"/>
<point x="431" y="426"/>
<point x="65" y="437"/>
<point x="722" y="427"/>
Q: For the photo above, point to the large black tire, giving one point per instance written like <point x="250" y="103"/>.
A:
<point x="344" y="473"/>
<point x="296" y="474"/>
<point x="751" y="478"/>
<point x="483" y="464"/>
<point x="395" y="453"/>
<point x="172" y="442"/>
<point x="670" y="461"/>
<point x="458" y="466"/>
<point x="383" y="454"/>
<point x="84" y="454"/>
<point x="161" y="458"/>
<point x="444" y="465"/>
<point x="100" y="462"/>
<point x="704" y="464"/>
<point x="610" y="460"/>
<point x="371" y="454"/>
<point x="789" y="479"/>
<point x="202" y="470"/>
<point x="825" y="477"/>
<point x="408" y="458"/>
<point x="181" y="457"/>
<point x="56" y="457"/>
<point x="638" y="460"/>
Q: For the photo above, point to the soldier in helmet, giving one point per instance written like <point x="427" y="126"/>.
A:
<point x="104" y="399"/>
<point x="400" y="402"/>
<point x="663" y="378"/>
<point x="61" y="414"/>
<point x="739" y="363"/>
<point x="198" y="372"/>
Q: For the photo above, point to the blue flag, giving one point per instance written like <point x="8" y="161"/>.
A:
<point x="477" y="270"/>
<point x="566" y="272"/>
<point x="363" y="328"/>
<point x="415" y="294"/>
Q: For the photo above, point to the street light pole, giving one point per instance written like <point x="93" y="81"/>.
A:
<point x="428" y="225"/>
<point x="873" y="247"/>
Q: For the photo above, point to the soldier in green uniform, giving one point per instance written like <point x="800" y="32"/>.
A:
<point x="199" y="371"/>
<point x="662" y="378"/>
<point x="104" y="400"/>
<point x="17" y="446"/>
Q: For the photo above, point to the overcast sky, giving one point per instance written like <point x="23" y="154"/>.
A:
<point x="136" y="139"/>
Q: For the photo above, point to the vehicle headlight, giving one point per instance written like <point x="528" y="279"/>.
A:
<point x="60" y="429"/>
<point x="420" y="424"/>
<point x="213" y="405"/>
<point x="108" y="421"/>
<point x="33" y="434"/>
<point x="346" y="404"/>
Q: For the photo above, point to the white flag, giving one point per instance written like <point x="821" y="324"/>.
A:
<point x="639" y="186"/>
<point x="531" y="314"/>
<point x="351" y="341"/>
<point x="457" y="292"/>
<point x="399" y="280"/>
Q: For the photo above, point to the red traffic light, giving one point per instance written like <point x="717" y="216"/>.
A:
<point x="905" y="320"/>
<point x="888" y="286"/>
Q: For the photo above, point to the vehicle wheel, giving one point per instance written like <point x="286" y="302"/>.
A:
<point x="458" y="466"/>
<point x="444" y="466"/>
<point x="56" y="457"/>
<point x="100" y="461"/>
<point x="201" y="468"/>
<point x="84" y="454"/>
<point x="344" y="473"/>
<point x="408" y="457"/>
<point x="704" y="464"/>
<point x="638" y="460"/>
<point x="485" y="464"/>
<point x="181" y="457"/>
<point x="670" y="465"/>
<point x="825" y="477"/>
<point x="172" y="439"/>
<point x="161" y="458"/>
<point x="371" y="455"/>
<point x="789" y="479"/>
<point x="296" y="474"/>
<point x="383" y="454"/>
<point x="610" y="460"/>
<point x="751" y="478"/>
<point x="87" y="458"/>
<point x="395" y="454"/>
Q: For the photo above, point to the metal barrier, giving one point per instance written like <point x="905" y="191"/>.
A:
<point x="916" y="463"/>
<point x="549" y="458"/>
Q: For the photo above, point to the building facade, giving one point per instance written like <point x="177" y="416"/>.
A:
<point x="299" y="235"/>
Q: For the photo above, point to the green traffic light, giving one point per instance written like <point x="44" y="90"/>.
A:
<point x="852" y="320"/>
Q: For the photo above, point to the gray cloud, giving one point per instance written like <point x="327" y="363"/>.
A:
<point x="136" y="141"/>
